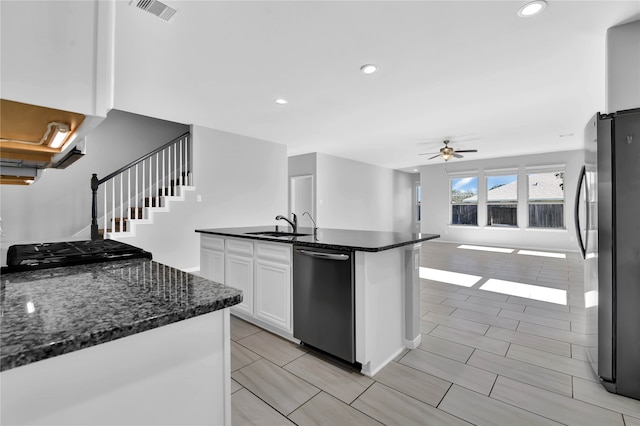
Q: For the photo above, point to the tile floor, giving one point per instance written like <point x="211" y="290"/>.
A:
<point x="485" y="358"/>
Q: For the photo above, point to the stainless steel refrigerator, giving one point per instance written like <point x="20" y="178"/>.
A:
<point x="607" y="214"/>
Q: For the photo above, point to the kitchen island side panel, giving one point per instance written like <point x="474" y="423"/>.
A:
<point x="175" y="374"/>
<point x="379" y="308"/>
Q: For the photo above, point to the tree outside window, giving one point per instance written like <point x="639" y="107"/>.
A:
<point x="464" y="201"/>
<point x="546" y="200"/>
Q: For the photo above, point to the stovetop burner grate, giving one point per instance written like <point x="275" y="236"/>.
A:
<point x="50" y="255"/>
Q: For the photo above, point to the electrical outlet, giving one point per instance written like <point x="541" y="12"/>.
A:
<point x="199" y="198"/>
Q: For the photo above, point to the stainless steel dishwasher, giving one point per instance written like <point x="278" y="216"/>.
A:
<point x="324" y="300"/>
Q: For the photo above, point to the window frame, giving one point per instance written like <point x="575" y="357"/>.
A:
<point x="452" y="176"/>
<point x="553" y="169"/>
<point x="502" y="172"/>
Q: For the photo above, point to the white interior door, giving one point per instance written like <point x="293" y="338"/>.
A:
<point x="301" y="198"/>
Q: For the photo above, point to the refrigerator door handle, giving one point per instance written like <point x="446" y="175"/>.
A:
<point x="583" y="244"/>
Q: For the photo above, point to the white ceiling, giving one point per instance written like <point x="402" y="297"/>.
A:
<point x="470" y="71"/>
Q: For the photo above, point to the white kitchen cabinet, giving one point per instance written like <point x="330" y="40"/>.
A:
<point x="212" y="258"/>
<point x="263" y="272"/>
<point x="212" y="265"/>
<point x="238" y="271"/>
<point x="273" y="285"/>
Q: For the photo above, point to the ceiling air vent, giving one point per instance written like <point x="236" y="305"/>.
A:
<point x="157" y="8"/>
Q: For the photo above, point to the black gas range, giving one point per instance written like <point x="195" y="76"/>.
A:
<point x="26" y="257"/>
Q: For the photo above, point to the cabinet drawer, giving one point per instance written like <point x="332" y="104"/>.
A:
<point x="274" y="252"/>
<point x="238" y="246"/>
<point x="211" y="243"/>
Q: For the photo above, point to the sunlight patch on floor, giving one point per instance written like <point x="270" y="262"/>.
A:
<point x="535" y="292"/>
<point x="543" y="254"/>
<point x="482" y="248"/>
<point x="456" y="278"/>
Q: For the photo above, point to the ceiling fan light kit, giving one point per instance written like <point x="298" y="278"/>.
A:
<point x="448" y="152"/>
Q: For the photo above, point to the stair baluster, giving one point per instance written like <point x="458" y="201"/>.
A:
<point x="175" y="164"/>
<point x="180" y="171"/>
<point x="163" y="178"/>
<point x="105" y="217"/>
<point x="121" y="203"/>
<point x="136" y="191"/>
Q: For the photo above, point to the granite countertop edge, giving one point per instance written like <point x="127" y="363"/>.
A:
<point x="87" y="340"/>
<point x="303" y="241"/>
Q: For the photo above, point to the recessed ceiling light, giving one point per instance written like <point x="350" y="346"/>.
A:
<point x="369" y="68"/>
<point x="532" y="8"/>
<point x="282" y="101"/>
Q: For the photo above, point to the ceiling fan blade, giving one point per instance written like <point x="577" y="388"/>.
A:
<point x="466" y="150"/>
<point x="455" y="154"/>
<point x="435" y="156"/>
<point x="429" y="153"/>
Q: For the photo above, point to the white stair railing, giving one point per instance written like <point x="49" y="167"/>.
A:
<point x="155" y="175"/>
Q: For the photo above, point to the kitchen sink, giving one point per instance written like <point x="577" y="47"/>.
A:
<point x="277" y="234"/>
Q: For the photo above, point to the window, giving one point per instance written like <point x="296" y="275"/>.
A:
<point x="502" y="200"/>
<point x="464" y="201"/>
<point x="546" y="200"/>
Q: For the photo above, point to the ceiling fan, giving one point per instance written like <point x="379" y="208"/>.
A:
<point x="447" y="152"/>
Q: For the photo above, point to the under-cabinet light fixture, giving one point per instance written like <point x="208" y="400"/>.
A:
<point x="59" y="136"/>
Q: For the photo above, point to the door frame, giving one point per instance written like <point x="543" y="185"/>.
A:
<point x="292" y="183"/>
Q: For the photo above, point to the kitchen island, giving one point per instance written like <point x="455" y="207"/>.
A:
<point x="121" y="342"/>
<point x="259" y="261"/>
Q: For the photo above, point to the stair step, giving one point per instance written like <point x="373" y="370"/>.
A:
<point x="117" y="222"/>
<point x="120" y="223"/>
<point x="152" y="202"/>
<point x="133" y="213"/>
<point x="184" y="180"/>
<point x="168" y="191"/>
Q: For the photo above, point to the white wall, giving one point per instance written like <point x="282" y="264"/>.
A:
<point x="404" y="202"/>
<point x="56" y="54"/>
<point x="241" y="181"/>
<point x="171" y="238"/>
<point x="355" y="195"/>
<point x="304" y="164"/>
<point x="623" y="67"/>
<point x="58" y="205"/>
<point x="435" y="202"/>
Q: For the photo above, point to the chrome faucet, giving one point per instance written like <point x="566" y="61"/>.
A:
<point x="315" y="227"/>
<point x="294" y="223"/>
<point x="314" y="222"/>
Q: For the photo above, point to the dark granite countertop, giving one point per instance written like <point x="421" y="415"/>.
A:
<point x="337" y="239"/>
<point x="50" y="312"/>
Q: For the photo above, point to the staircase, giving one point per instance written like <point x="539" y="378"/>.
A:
<point x="132" y="195"/>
